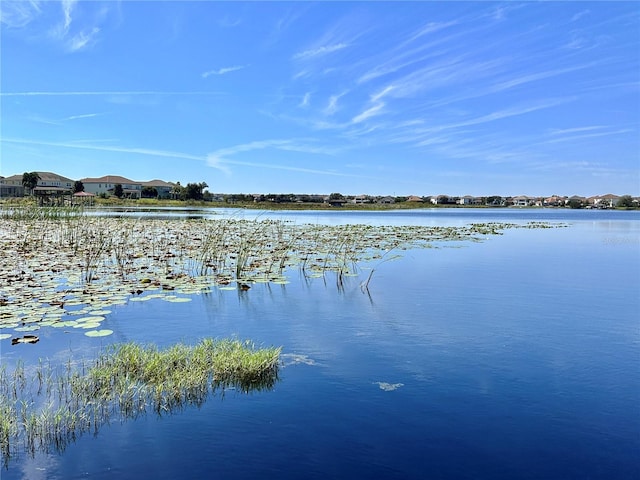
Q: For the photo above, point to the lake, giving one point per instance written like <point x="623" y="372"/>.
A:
<point x="514" y="357"/>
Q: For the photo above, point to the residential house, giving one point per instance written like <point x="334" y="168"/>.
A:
<point x="54" y="181"/>
<point x="359" y="199"/>
<point x="604" y="201"/>
<point x="468" y="200"/>
<point x="11" y="186"/>
<point x="163" y="188"/>
<point x="554" y="201"/>
<point x="387" y="200"/>
<point x="441" y="200"/>
<point x="106" y="185"/>
<point x="521" y="201"/>
<point x="48" y="184"/>
<point x="414" y="198"/>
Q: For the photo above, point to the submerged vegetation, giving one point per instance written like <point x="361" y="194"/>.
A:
<point x="61" y="268"/>
<point x="44" y="408"/>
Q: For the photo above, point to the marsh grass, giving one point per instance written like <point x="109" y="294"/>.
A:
<point x="49" y="407"/>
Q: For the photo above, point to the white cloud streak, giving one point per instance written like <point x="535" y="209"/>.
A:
<point x="107" y="93"/>
<point x="370" y="112"/>
<point x="332" y="106"/>
<point x="67" y="7"/>
<point x="86" y="115"/>
<point x="220" y="158"/>
<point x="83" y="39"/>
<point x="17" y="14"/>
<point x="305" y="100"/>
<point x="323" y="50"/>
<point x="223" y="71"/>
<point x="102" y="148"/>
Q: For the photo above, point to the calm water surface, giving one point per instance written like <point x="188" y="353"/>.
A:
<point x="517" y="357"/>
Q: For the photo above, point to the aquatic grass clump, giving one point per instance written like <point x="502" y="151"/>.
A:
<point x="47" y="408"/>
<point x="181" y="369"/>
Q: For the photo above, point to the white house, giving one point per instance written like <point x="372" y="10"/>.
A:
<point x="107" y="184"/>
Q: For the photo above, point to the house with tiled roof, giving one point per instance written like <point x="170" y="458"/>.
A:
<point x="11" y="186"/>
<point x="604" y="201"/>
<point x="106" y="186"/>
<point x="163" y="188"/>
<point x="49" y="183"/>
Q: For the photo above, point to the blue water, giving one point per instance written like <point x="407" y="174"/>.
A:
<point x="519" y="357"/>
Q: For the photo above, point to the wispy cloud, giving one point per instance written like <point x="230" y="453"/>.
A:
<point x="17" y="14"/>
<point x="83" y="39"/>
<point x="508" y="113"/>
<point x="377" y="96"/>
<point x="431" y="27"/>
<point x="305" y="100"/>
<point x="332" y="106"/>
<point x="85" y="115"/>
<point x="370" y="112"/>
<point x="102" y="93"/>
<point x="221" y="158"/>
<point x="108" y="148"/>
<point x="586" y="135"/>
<point x="290" y="144"/>
<point x="322" y="50"/>
<point x="223" y="71"/>
<point x="580" y="14"/>
<point x="67" y="8"/>
<point x="41" y="119"/>
<point x="564" y="131"/>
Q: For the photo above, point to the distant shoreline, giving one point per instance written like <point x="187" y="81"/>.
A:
<point x="150" y="203"/>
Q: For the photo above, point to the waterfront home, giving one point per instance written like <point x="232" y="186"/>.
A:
<point x="521" y="201"/>
<point x="163" y="189"/>
<point x="106" y="186"/>
<point x="604" y="201"/>
<point x="469" y="200"/>
<point x="11" y="186"/>
<point x="440" y="200"/>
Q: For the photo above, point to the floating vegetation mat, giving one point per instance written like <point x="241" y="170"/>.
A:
<point x="44" y="408"/>
<point x="68" y="270"/>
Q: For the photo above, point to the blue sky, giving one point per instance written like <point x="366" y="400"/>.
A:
<point x="395" y="98"/>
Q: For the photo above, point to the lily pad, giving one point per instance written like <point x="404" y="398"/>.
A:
<point x="27" y="328"/>
<point x="98" y="333"/>
<point x="66" y="323"/>
<point x="87" y="325"/>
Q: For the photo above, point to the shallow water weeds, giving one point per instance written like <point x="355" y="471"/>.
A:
<point x="47" y="409"/>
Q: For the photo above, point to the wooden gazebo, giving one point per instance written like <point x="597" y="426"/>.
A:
<point x="83" y="198"/>
<point x="52" y="196"/>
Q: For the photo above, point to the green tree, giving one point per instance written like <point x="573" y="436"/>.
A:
<point x="625" y="201"/>
<point x="193" y="191"/>
<point x="78" y="187"/>
<point x="149" y="192"/>
<point x="575" y="203"/>
<point x="30" y="181"/>
<point x="118" y="191"/>
<point x="178" y="192"/>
